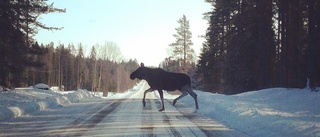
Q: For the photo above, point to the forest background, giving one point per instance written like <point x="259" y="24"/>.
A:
<point x="250" y="45"/>
<point x="257" y="44"/>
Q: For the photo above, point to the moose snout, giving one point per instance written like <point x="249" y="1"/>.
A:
<point x="132" y="77"/>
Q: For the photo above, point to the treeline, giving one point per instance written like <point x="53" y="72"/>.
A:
<point x="18" y="24"/>
<point x="255" y="44"/>
<point x="23" y="62"/>
<point x="69" y="69"/>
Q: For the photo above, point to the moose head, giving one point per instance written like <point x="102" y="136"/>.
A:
<point x="139" y="73"/>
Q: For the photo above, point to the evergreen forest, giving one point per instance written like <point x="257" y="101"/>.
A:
<point x="256" y="44"/>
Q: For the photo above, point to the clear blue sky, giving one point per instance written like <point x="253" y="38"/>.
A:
<point x="142" y="29"/>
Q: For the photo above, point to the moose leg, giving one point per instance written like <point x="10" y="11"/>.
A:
<point x="184" y="93"/>
<point x="188" y="89"/>
<point x="161" y="97"/>
<point x="194" y="95"/>
<point x="144" y="96"/>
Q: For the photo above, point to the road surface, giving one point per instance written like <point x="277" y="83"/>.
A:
<point x="117" y="117"/>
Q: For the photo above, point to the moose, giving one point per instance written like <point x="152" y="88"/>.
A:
<point x="159" y="79"/>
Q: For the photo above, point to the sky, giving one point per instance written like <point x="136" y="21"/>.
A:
<point x="142" y="29"/>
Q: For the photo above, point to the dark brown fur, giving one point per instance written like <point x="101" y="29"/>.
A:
<point x="158" y="79"/>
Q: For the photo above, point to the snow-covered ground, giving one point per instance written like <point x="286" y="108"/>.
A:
<point x="14" y="103"/>
<point x="268" y="112"/>
<point x="22" y="101"/>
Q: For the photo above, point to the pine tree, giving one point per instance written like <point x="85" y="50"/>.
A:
<point x="238" y="46"/>
<point x="28" y="12"/>
<point x="19" y="22"/>
<point x="93" y="68"/>
<point x="215" y="66"/>
<point x="181" y="47"/>
<point x="80" y="67"/>
<point x="49" y="68"/>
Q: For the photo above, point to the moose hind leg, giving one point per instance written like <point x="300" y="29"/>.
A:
<point x="184" y="93"/>
<point x="194" y="95"/>
<point x="191" y="92"/>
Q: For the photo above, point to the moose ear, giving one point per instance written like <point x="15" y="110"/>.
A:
<point x="141" y="65"/>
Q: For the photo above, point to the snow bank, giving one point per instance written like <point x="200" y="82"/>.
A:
<point x="22" y="101"/>
<point x="42" y="86"/>
<point x="269" y="112"/>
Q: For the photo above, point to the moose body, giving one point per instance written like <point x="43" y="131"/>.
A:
<point x="160" y="80"/>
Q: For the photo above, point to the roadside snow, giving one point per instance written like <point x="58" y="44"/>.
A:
<point x="42" y="86"/>
<point x="270" y="112"/>
<point x="22" y="101"/>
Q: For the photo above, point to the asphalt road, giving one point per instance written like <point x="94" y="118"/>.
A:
<point x="118" y="117"/>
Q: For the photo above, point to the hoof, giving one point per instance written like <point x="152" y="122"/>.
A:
<point x="144" y="103"/>
<point x="174" y="102"/>
<point x="161" y="109"/>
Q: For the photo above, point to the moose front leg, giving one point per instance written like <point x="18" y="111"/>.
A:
<point x="161" y="97"/>
<point x="144" y="96"/>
